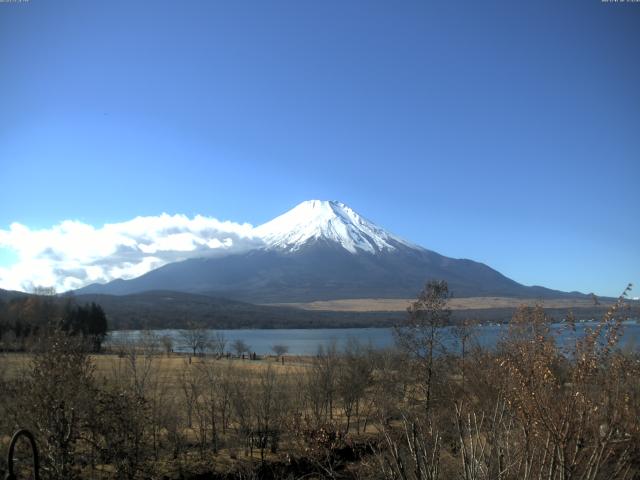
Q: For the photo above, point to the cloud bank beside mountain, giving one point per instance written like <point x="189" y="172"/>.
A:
<point x="73" y="254"/>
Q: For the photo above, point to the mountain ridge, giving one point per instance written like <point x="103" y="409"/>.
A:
<point x="324" y="250"/>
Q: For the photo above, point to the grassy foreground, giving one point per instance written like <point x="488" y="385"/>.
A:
<point x="528" y="409"/>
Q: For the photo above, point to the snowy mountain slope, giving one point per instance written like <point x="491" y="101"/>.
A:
<point x="330" y="221"/>
<point x="324" y="250"/>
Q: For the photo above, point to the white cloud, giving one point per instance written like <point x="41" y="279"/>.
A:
<point x="73" y="254"/>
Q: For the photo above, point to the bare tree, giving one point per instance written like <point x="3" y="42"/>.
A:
<point x="189" y="383"/>
<point x="43" y="291"/>
<point x="464" y="333"/>
<point x="211" y="376"/>
<point x="390" y="385"/>
<point x="420" y="333"/>
<point x="195" y="338"/>
<point x="240" y="396"/>
<point x="225" y="385"/>
<point x="167" y="344"/>
<point x="133" y="367"/>
<point x="148" y="343"/>
<point x="269" y="408"/>
<point x="218" y="343"/>
<point x="240" y="347"/>
<point x="355" y="375"/>
<point x="280" y="349"/>
<point x="321" y="383"/>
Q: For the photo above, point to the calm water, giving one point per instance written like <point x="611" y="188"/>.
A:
<point x="307" y="341"/>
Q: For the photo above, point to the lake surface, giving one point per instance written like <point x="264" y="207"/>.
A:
<point x="307" y="341"/>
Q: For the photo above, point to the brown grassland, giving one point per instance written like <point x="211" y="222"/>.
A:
<point x="401" y="305"/>
<point x="526" y="409"/>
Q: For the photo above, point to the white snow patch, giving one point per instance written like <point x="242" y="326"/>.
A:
<point x="328" y="220"/>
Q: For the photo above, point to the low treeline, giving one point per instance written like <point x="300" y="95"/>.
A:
<point x="157" y="310"/>
<point x="526" y="409"/>
<point x="28" y="320"/>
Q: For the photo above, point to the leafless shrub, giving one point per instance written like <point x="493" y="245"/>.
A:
<point x="413" y="454"/>
<point x="120" y="431"/>
<point x="55" y="400"/>
<point x="573" y="412"/>
<point x="355" y="376"/>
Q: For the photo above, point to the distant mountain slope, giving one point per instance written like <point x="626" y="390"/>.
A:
<point x="6" y="295"/>
<point x="166" y="309"/>
<point x="322" y="251"/>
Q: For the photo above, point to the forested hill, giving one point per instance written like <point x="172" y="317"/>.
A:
<point x="167" y="309"/>
<point x="26" y="319"/>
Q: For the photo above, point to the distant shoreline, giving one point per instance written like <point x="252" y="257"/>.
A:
<point x="305" y="341"/>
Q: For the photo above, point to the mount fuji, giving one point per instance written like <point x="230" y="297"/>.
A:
<point x="324" y="250"/>
<point x="331" y="222"/>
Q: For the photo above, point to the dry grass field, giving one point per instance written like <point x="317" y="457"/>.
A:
<point x="166" y="377"/>
<point x="400" y="305"/>
<point x="137" y="412"/>
<point x="168" y="367"/>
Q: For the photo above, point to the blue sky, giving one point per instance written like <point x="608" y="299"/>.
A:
<point x="506" y="132"/>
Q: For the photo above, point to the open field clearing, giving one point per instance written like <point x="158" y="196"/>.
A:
<point x="168" y="368"/>
<point x="400" y="305"/>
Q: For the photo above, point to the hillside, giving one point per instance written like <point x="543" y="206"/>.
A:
<point x="325" y="251"/>
<point x="165" y="309"/>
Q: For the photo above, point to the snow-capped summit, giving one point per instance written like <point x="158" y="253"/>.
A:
<point x="323" y="251"/>
<point x="331" y="221"/>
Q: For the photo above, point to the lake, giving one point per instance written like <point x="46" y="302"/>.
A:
<point x="307" y="341"/>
